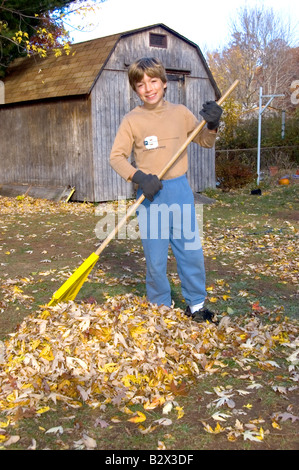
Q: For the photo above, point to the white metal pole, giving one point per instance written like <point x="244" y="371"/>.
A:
<point x="259" y="136"/>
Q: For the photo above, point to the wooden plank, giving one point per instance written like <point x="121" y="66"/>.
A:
<point x="38" y="192"/>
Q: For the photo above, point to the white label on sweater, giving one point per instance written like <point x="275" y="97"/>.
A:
<point x="151" y="142"/>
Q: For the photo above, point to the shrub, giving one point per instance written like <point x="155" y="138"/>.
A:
<point x="232" y="173"/>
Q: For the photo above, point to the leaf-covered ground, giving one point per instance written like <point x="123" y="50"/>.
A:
<point x="111" y="371"/>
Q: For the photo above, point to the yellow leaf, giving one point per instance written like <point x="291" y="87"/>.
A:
<point x="127" y="410"/>
<point x="139" y="418"/>
<point x="156" y="402"/>
<point x="137" y="330"/>
<point x="43" y="410"/>
<point x="45" y="314"/>
<point x="180" y="411"/>
<point x="109" y="367"/>
<point x="261" y="436"/>
<point x="147" y="430"/>
<point x="46" y="353"/>
<point x="35" y="343"/>
<point x="161" y="445"/>
<point x="225" y="297"/>
<point x="217" y="429"/>
<point x="24" y="386"/>
<point x="12" y="397"/>
<point x="4" y="424"/>
<point x="213" y="299"/>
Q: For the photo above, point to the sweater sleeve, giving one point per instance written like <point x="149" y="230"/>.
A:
<point x="205" y="138"/>
<point x="121" y="150"/>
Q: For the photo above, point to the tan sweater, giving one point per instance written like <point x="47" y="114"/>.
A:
<point x="155" y="136"/>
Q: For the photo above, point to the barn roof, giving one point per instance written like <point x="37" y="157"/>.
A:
<point x="36" y="78"/>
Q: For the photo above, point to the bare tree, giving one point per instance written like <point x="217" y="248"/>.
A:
<point x="258" y="55"/>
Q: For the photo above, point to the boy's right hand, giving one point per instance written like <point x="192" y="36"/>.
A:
<point x="149" y="184"/>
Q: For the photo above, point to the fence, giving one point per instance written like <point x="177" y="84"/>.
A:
<point x="286" y="157"/>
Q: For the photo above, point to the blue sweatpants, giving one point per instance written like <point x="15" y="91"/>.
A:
<point x="170" y="219"/>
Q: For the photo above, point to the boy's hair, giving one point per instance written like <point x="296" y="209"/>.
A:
<point x="149" y="65"/>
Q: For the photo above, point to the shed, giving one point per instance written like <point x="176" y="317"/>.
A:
<point x="60" y="114"/>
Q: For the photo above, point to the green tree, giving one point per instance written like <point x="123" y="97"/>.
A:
<point x="35" y="27"/>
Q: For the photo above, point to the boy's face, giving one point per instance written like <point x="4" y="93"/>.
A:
<point x="151" y="91"/>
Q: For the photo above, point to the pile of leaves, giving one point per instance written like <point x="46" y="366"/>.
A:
<point x="20" y="205"/>
<point x="128" y="351"/>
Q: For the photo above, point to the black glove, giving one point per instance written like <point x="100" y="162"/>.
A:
<point x="211" y="112"/>
<point x="149" y="184"/>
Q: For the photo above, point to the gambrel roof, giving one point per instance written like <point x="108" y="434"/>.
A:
<point x="35" y="78"/>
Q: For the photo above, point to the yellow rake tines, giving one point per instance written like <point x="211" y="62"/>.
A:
<point x="69" y="290"/>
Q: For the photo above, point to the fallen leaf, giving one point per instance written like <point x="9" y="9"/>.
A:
<point x="139" y="418"/>
<point x="220" y="416"/>
<point x="167" y="408"/>
<point x="55" y="430"/>
<point x="161" y="445"/>
<point x="103" y="424"/>
<point x="180" y="390"/>
<point x="89" y="442"/>
<point x="256" y="436"/>
<point x="210" y="430"/>
<point x="11" y="440"/>
<point x="163" y="421"/>
<point x="285" y="416"/>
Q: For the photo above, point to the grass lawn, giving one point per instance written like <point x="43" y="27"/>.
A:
<point x="229" y="387"/>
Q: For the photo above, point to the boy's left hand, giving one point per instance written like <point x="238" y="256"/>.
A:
<point x="148" y="183"/>
<point x="211" y="112"/>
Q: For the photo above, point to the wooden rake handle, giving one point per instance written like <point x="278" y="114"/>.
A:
<point x="182" y="149"/>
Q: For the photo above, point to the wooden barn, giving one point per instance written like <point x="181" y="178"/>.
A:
<point x="59" y="116"/>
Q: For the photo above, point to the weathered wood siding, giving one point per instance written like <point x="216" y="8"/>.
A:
<point x="112" y="99"/>
<point x="110" y="102"/>
<point x="48" y="143"/>
<point x="201" y="173"/>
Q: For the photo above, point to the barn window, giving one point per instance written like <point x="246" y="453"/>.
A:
<point x="158" y="40"/>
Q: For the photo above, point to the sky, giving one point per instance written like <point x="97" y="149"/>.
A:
<point x="207" y="24"/>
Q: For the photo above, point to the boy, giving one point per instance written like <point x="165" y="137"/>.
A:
<point x="156" y="130"/>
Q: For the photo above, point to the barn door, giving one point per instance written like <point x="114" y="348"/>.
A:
<point x="176" y="88"/>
